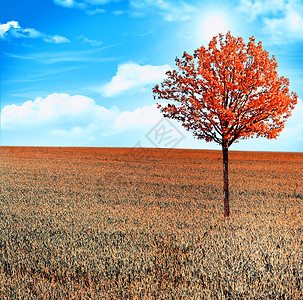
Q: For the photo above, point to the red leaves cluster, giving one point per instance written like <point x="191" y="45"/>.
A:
<point x="229" y="91"/>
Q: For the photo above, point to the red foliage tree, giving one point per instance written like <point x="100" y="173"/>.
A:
<point x="227" y="92"/>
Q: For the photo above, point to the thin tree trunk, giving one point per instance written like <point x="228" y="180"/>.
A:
<point x="225" y="179"/>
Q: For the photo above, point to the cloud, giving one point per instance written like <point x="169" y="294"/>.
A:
<point x="100" y="2"/>
<point x="12" y="29"/>
<point x="52" y="109"/>
<point x="83" y="3"/>
<point x="281" y="20"/>
<point x="255" y="8"/>
<point x="290" y="27"/>
<point x="70" y="119"/>
<point x="170" y="10"/>
<point x="139" y="33"/>
<point x="91" y="42"/>
<point x="118" y="12"/>
<point x="66" y="56"/>
<point x="95" y="11"/>
<point x="294" y="125"/>
<point x="91" y="7"/>
<point x="57" y="39"/>
<point x="4" y="28"/>
<point x="69" y="3"/>
<point x="131" y="76"/>
<point x="57" y="119"/>
<point x="63" y="119"/>
<point x="145" y="116"/>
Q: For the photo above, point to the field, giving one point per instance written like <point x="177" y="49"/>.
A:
<point x="122" y="223"/>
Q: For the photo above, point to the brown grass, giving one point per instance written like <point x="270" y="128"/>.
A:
<point x="120" y="223"/>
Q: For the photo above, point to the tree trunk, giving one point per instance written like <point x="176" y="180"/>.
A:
<point x="225" y="179"/>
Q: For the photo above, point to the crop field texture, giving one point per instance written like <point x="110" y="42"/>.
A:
<point x="122" y="223"/>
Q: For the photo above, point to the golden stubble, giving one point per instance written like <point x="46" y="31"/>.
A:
<point x="122" y="223"/>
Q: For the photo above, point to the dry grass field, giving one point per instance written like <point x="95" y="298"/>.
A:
<point x="121" y="223"/>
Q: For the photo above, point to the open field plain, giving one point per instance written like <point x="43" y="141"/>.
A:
<point x="122" y="223"/>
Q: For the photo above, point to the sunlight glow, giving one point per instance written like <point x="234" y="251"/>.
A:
<point x="213" y="25"/>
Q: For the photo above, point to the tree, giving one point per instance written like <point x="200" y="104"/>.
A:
<point x="227" y="92"/>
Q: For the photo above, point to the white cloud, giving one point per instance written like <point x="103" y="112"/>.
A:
<point x="4" y="28"/>
<point x="55" y="109"/>
<point x="290" y="27"/>
<point x="132" y="76"/>
<point x="25" y="33"/>
<point x="255" y="8"/>
<point x="57" y="39"/>
<point x="170" y="10"/>
<point x="67" y="3"/>
<point x="99" y="2"/>
<point x="76" y="133"/>
<point x="65" y="56"/>
<point x="118" y="12"/>
<point x="63" y="119"/>
<point x="139" y="33"/>
<point x="92" y="7"/>
<point x="95" y="11"/>
<point x="282" y="20"/>
<point x="12" y="29"/>
<point x="294" y="125"/>
<point x="145" y="116"/>
<point x="92" y="42"/>
<point x="70" y="119"/>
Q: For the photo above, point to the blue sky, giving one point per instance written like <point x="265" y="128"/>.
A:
<point x="81" y="72"/>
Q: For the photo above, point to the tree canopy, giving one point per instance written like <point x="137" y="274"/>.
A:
<point x="226" y="92"/>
